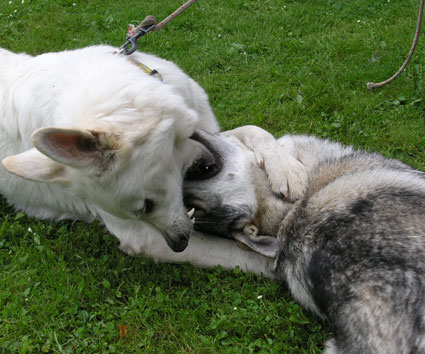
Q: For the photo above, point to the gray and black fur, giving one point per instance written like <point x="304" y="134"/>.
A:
<point x="352" y="249"/>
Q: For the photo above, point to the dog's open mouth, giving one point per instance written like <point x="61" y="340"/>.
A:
<point x="197" y="209"/>
<point x="220" y="219"/>
<point x="241" y="229"/>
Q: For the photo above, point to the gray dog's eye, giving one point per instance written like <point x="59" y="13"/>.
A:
<point x="201" y="169"/>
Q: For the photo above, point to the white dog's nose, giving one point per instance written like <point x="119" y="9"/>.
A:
<point x="178" y="243"/>
<point x="177" y="236"/>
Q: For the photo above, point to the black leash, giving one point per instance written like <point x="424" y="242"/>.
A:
<point x="149" y="24"/>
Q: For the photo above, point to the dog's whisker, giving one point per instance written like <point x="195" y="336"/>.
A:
<point x="205" y="222"/>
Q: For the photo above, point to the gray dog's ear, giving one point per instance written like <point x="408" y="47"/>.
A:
<point x="264" y="245"/>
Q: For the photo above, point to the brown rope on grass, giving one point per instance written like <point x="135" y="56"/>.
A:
<point x="372" y="85"/>
<point x="174" y="14"/>
<point x="150" y="20"/>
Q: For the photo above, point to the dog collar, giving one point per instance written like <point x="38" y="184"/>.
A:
<point x="146" y="69"/>
<point x="133" y="34"/>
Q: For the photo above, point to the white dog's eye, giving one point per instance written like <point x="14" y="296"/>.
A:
<point x="148" y="207"/>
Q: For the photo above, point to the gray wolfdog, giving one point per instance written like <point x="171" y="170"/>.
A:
<point x="350" y="241"/>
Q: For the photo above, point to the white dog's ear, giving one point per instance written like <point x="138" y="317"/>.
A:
<point x="74" y="147"/>
<point x="33" y="165"/>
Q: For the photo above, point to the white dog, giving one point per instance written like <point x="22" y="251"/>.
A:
<point x="110" y="142"/>
<point x="87" y="134"/>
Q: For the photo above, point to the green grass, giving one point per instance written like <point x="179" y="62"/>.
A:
<point x="288" y="66"/>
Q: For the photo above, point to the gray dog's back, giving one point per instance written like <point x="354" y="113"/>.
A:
<point x="353" y="250"/>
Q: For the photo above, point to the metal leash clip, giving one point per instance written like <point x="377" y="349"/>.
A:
<point x="147" y="25"/>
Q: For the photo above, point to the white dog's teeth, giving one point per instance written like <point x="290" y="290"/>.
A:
<point x="190" y="213"/>
<point x="193" y="220"/>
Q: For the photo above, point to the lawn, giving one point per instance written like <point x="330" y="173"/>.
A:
<point x="295" y="66"/>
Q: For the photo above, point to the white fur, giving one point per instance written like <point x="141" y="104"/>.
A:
<point x="143" y="121"/>
<point x="203" y="250"/>
<point x="138" y="123"/>
<point x="287" y="176"/>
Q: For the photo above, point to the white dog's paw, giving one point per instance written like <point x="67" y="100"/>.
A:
<point x="130" y="249"/>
